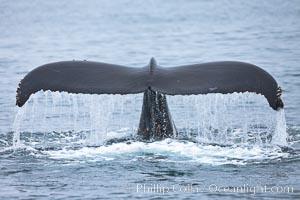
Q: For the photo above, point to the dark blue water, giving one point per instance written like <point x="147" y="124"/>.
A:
<point x="84" y="146"/>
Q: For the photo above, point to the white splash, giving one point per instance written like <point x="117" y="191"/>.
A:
<point x="243" y="119"/>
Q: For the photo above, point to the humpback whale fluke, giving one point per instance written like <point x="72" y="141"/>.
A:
<point x="101" y="78"/>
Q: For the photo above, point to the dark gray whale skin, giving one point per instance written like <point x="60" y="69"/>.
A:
<point x="155" y="120"/>
<point x="154" y="81"/>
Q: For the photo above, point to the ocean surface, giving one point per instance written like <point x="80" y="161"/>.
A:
<point x="68" y="146"/>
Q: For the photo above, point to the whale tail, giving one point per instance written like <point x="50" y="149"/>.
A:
<point x="101" y="78"/>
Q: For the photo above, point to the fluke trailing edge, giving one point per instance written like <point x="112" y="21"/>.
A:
<point x="100" y="78"/>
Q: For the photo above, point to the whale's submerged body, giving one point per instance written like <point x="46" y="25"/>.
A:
<point x="154" y="81"/>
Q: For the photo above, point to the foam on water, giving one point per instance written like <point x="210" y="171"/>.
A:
<point x="171" y="150"/>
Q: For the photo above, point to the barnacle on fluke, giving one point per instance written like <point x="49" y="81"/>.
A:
<point x="18" y="92"/>
<point x="279" y="102"/>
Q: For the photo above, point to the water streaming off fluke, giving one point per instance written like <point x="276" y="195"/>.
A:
<point x="231" y="119"/>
